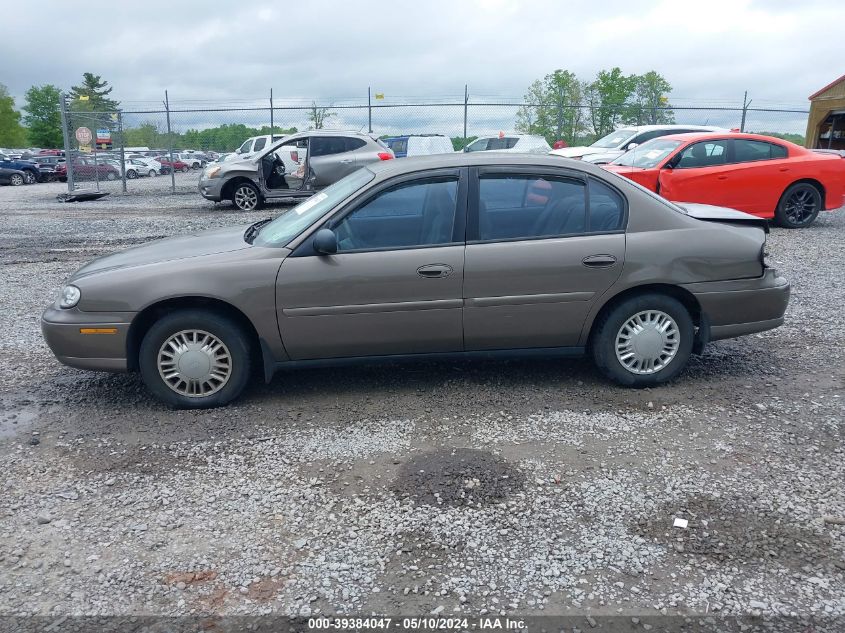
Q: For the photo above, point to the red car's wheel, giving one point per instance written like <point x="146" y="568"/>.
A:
<point x="799" y="206"/>
<point x="185" y="169"/>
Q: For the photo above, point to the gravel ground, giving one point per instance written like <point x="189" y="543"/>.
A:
<point x="450" y="488"/>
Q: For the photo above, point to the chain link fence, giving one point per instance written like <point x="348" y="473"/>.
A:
<point x="108" y="149"/>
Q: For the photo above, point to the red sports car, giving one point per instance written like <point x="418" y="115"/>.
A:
<point x="761" y="175"/>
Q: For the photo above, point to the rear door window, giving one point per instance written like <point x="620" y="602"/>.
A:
<point x="259" y="144"/>
<point x="746" y="151"/>
<point x="352" y="143"/>
<point x="327" y="145"/>
<point x="512" y="207"/>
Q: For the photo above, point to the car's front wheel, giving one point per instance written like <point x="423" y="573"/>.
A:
<point x="195" y="359"/>
<point x="799" y="206"/>
<point x="131" y="174"/>
<point x="246" y="197"/>
<point x="185" y="169"/>
<point x="152" y="173"/>
<point x="16" y="180"/>
<point x="111" y="176"/>
<point x="645" y="340"/>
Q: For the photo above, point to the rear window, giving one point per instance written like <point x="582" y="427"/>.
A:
<point x="327" y="145"/>
<point x="502" y="143"/>
<point x="398" y="145"/>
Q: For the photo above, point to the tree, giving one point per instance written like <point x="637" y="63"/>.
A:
<point x="650" y="103"/>
<point x="92" y="95"/>
<point x="553" y="108"/>
<point x="12" y="133"/>
<point x="43" y="119"/>
<point x="318" y="115"/>
<point x="608" y="98"/>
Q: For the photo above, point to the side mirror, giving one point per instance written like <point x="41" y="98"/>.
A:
<point x="325" y="242"/>
<point x="631" y="146"/>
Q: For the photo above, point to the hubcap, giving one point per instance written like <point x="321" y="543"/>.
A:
<point x="246" y="198"/>
<point x="194" y="363"/>
<point x="800" y="206"/>
<point x="647" y="342"/>
<point x="16" y="180"/>
<point x="29" y="178"/>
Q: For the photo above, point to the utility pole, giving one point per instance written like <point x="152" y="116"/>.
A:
<point x="369" y="109"/>
<point x="745" y="104"/>
<point x="66" y="134"/>
<point x="466" y="107"/>
<point x="170" y="144"/>
<point x="271" y="115"/>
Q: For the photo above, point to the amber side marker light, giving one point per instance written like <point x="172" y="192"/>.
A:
<point x="98" y="330"/>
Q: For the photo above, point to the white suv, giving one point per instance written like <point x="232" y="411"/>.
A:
<point x="516" y="143"/>
<point x="612" y="146"/>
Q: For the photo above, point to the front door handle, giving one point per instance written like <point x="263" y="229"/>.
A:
<point x="599" y="261"/>
<point x="434" y="271"/>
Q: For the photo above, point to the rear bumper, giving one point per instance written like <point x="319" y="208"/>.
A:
<point x="744" y="306"/>
<point x="95" y="341"/>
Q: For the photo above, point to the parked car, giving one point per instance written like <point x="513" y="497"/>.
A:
<point x="516" y="143"/>
<point x="194" y="161"/>
<point x="429" y="256"/>
<point x="14" y="177"/>
<point x="419" y="144"/>
<point x="295" y="167"/>
<point x="152" y="166"/>
<point x="51" y="152"/>
<point x="175" y="165"/>
<point x="30" y="169"/>
<point x="620" y="141"/>
<point x="87" y="169"/>
<point x="137" y="168"/>
<point x="761" y="175"/>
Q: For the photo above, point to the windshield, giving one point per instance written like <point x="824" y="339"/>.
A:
<point x="291" y="223"/>
<point x="615" y="139"/>
<point x="648" y="154"/>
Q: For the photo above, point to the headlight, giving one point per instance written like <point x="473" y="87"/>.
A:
<point x="69" y="297"/>
<point x="212" y="172"/>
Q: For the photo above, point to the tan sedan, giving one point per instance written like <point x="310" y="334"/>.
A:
<point x="465" y="254"/>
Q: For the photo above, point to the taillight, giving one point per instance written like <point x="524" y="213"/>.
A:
<point x="385" y="155"/>
<point x="294" y="156"/>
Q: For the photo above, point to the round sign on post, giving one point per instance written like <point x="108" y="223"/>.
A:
<point x="84" y="135"/>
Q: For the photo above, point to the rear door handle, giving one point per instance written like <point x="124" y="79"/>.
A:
<point x="599" y="261"/>
<point x="721" y="177"/>
<point x="434" y="271"/>
<point x="346" y="161"/>
<point x="783" y="169"/>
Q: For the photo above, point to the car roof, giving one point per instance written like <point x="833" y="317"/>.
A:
<point x="478" y="159"/>
<point x="703" y="136"/>
<point x="672" y="126"/>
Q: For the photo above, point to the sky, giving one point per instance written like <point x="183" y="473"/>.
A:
<point x="220" y="52"/>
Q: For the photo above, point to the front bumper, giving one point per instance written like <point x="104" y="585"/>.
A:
<point x="742" y="306"/>
<point x="211" y="189"/>
<point x="87" y="340"/>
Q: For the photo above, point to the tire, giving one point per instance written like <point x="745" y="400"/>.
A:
<point x="29" y="178"/>
<point x="660" y="311"/>
<point x="246" y="197"/>
<point x="799" y="206"/>
<point x="152" y="173"/>
<point x="16" y="180"/>
<point x="111" y="176"/>
<point x="185" y="169"/>
<point x="131" y="174"/>
<point x="234" y="346"/>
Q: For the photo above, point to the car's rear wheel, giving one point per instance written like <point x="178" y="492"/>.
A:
<point x="29" y="178"/>
<point x="185" y="169"/>
<point x="195" y="359"/>
<point x="644" y="340"/>
<point x="131" y="174"/>
<point x="246" y="197"/>
<point x="16" y="180"/>
<point x="799" y="206"/>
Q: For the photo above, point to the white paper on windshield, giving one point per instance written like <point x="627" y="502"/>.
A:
<point x="310" y="203"/>
<point x="654" y="153"/>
